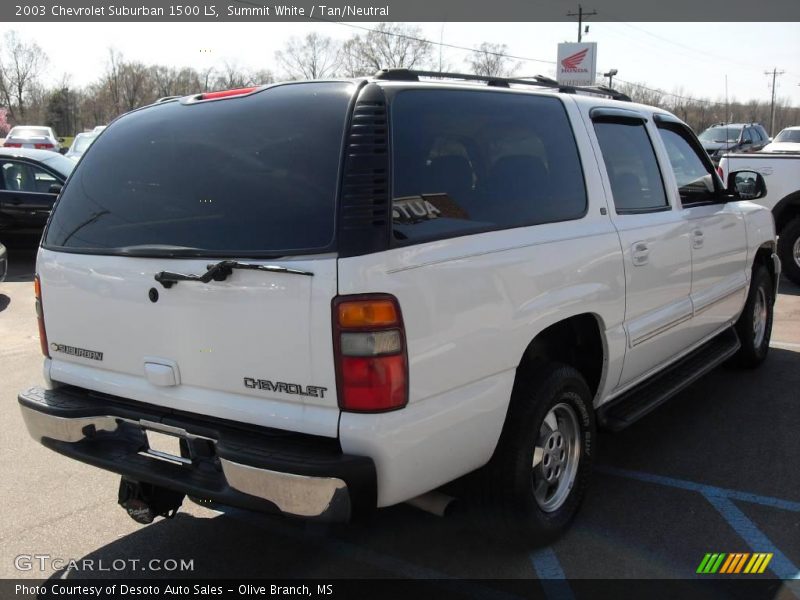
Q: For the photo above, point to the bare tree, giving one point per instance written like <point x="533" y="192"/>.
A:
<point x="389" y="45"/>
<point x="21" y="64"/>
<point x="313" y="57"/>
<point x="490" y="60"/>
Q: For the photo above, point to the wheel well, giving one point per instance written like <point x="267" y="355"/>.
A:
<point x="575" y="341"/>
<point x="786" y="210"/>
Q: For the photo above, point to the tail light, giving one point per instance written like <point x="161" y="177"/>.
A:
<point x="12" y="145"/>
<point x="43" y="146"/>
<point x="227" y="93"/>
<point x="370" y="350"/>
<point x="37" y="290"/>
<point x="721" y="174"/>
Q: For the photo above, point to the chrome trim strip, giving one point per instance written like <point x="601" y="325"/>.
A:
<point x="298" y="495"/>
<point x="727" y="295"/>
<point x="659" y="330"/>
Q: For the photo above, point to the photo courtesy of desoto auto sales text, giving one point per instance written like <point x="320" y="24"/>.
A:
<point x="400" y="299"/>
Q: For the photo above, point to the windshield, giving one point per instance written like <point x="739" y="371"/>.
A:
<point x="788" y="135"/>
<point x="721" y="134"/>
<point x="29" y="132"/>
<point x="250" y="176"/>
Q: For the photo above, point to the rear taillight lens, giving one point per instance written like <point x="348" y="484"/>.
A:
<point x="721" y="174"/>
<point x="370" y="348"/>
<point x="37" y="290"/>
<point x="44" y="146"/>
<point x="12" y="145"/>
<point x="227" y="93"/>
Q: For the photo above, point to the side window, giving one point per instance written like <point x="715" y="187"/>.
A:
<point x="21" y="177"/>
<point x="695" y="181"/>
<point x="465" y="162"/>
<point x="747" y="138"/>
<point x="632" y="166"/>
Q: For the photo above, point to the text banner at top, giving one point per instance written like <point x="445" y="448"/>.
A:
<point x="396" y="10"/>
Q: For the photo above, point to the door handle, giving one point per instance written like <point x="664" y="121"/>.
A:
<point x="697" y="238"/>
<point x="640" y="254"/>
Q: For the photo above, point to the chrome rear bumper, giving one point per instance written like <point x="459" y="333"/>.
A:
<point x="235" y="470"/>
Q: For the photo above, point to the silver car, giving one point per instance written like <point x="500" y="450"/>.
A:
<point x="81" y="144"/>
<point x="32" y="137"/>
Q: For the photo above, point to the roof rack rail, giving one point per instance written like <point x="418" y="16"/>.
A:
<point x="536" y="80"/>
<point x="165" y="99"/>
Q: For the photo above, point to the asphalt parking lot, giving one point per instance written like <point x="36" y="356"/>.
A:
<point x="714" y="470"/>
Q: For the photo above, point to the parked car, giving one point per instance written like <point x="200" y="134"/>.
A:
<point x="81" y="144"/>
<point x="32" y="137"/>
<point x="781" y="171"/>
<point x="30" y="181"/>
<point x="448" y="301"/>
<point x="99" y="128"/>
<point x="733" y="137"/>
<point x="3" y="262"/>
<point x="788" y="140"/>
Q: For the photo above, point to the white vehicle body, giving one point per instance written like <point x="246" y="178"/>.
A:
<point x="655" y="286"/>
<point x="781" y="171"/>
<point x="788" y="140"/>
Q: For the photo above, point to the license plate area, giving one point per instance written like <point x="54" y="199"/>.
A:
<point x="163" y="446"/>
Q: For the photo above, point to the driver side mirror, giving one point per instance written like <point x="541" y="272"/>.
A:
<point x="55" y="188"/>
<point x="746" y="185"/>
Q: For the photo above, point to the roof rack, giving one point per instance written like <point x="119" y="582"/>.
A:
<point x="537" y="80"/>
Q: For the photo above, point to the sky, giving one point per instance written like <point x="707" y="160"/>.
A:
<point x="683" y="58"/>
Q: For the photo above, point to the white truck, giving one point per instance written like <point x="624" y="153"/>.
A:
<point x="781" y="171"/>
<point x="321" y="298"/>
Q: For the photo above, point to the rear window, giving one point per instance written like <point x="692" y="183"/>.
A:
<point x="250" y="176"/>
<point x="29" y="132"/>
<point x="470" y="161"/>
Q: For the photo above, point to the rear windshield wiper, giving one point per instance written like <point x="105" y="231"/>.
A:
<point x="220" y="272"/>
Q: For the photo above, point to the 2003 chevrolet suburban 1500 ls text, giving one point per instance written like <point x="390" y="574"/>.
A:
<point x="334" y="296"/>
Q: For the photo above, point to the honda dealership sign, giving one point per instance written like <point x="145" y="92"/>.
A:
<point x="577" y="63"/>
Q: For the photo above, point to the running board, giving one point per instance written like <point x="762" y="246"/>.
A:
<point x="645" y="397"/>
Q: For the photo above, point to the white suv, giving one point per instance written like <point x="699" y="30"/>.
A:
<point x="335" y="296"/>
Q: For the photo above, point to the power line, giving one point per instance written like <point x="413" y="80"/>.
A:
<point x="510" y="56"/>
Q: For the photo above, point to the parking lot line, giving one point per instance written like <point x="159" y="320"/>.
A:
<point x="548" y="569"/>
<point x="707" y="490"/>
<point x="755" y="538"/>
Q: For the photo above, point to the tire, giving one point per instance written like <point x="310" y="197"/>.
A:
<point x="754" y="325"/>
<point x="789" y="250"/>
<point x="514" y="509"/>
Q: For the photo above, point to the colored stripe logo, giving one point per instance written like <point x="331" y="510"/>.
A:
<point x="734" y="563"/>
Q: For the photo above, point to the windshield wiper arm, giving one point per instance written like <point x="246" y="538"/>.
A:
<point x="220" y="272"/>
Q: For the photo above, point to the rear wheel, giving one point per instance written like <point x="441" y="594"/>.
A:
<point x="789" y="250"/>
<point x="754" y="326"/>
<point x="538" y="475"/>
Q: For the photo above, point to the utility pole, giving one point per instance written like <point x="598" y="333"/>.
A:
<point x="580" y="14"/>
<point x="774" y="74"/>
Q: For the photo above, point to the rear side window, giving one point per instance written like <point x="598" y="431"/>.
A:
<point x="475" y="161"/>
<point x="247" y="176"/>
<point x="632" y="166"/>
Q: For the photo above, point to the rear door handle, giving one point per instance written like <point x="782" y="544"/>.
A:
<point x="640" y="254"/>
<point x="697" y="238"/>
